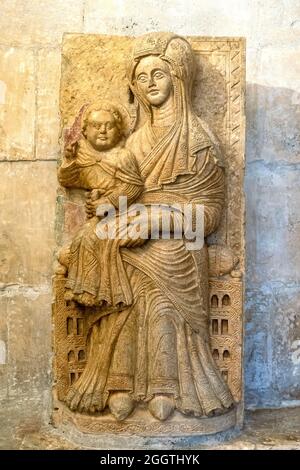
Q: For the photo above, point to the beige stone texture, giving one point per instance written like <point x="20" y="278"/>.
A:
<point x="27" y="308"/>
<point x="17" y="104"/>
<point x="91" y="76"/>
<point x="275" y="134"/>
<point x="26" y="377"/>
<point x="28" y="195"/>
<point x="47" y="117"/>
<point x="39" y="22"/>
<point x="4" y="339"/>
<point x="263" y="430"/>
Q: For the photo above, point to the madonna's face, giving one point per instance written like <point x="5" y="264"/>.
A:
<point x="153" y="80"/>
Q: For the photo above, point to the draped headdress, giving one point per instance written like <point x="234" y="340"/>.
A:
<point x="174" y="154"/>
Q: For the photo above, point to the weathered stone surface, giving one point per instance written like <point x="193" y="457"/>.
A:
<point x="91" y="77"/>
<point x="29" y="342"/>
<point x="272" y="310"/>
<point x="47" y="118"/>
<point x="258" y="344"/>
<point x="286" y="344"/>
<point x="279" y="67"/>
<point x="17" y="103"/>
<point x="39" y="22"/>
<point x="264" y="430"/>
<point x="272" y="351"/>
<point x="187" y="17"/>
<point x="280" y="140"/>
<point x="272" y="231"/>
<point x="28" y="195"/>
<point x="25" y="378"/>
<point x="4" y="344"/>
<point x="20" y="417"/>
<point x="274" y="22"/>
<point x="277" y="24"/>
<point x="273" y="107"/>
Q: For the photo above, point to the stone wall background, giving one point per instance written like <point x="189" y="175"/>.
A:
<point x="30" y="55"/>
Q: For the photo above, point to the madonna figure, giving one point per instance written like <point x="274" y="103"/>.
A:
<point x="156" y="351"/>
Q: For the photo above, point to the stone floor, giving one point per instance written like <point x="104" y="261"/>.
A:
<point x="264" y="429"/>
<point x="268" y="429"/>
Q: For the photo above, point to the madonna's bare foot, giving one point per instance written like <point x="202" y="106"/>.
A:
<point x="121" y="405"/>
<point x="161" y="407"/>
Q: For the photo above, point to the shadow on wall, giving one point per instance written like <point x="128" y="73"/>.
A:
<point x="272" y="332"/>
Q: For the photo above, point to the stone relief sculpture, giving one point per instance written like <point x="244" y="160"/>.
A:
<point x="143" y="307"/>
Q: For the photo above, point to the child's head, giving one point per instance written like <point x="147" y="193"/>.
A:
<point x="102" y="125"/>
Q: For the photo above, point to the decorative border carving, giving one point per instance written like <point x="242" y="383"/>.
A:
<point x="178" y="425"/>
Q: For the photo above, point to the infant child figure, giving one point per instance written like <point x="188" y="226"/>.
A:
<point x="99" y="163"/>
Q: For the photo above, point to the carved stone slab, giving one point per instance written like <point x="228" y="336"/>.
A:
<point x="94" y="68"/>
